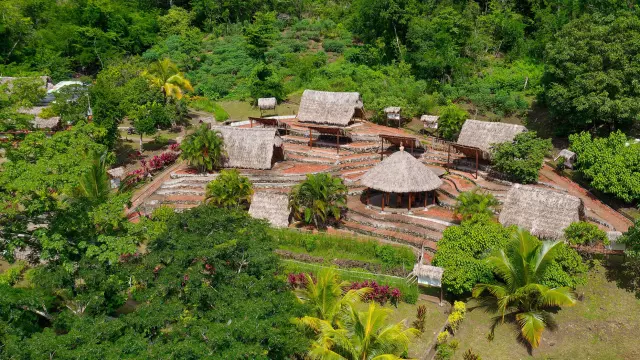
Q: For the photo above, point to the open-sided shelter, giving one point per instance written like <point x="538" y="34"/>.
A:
<point x="484" y="134"/>
<point x="271" y="206"/>
<point x="330" y="108"/>
<point x="430" y="121"/>
<point x="544" y="212"/>
<point x="400" y="174"/>
<point x="251" y="148"/>
<point x="393" y="113"/>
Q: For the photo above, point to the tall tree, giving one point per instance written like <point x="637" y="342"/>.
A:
<point x="166" y="76"/>
<point x="523" y="158"/>
<point x="519" y="293"/>
<point x="318" y="199"/>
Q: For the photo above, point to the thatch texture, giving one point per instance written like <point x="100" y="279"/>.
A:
<point x="249" y="148"/>
<point x="428" y="274"/>
<point x="483" y="134"/>
<point x="430" y="121"/>
<point x="330" y="108"/>
<point x="271" y="206"/>
<point x="392" y="110"/>
<point x="116" y="172"/>
<point x="267" y="103"/>
<point x="38" y="122"/>
<point x="47" y="84"/>
<point x="401" y="173"/>
<point x="544" y="212"/>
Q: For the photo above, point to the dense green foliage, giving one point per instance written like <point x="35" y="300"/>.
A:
<point x="207" y="288"/>
<point x="203" y="149"/>
<point x="522" y="159"/>
<point x="463" y="249"/>
<point x="319" y="199"/>
<point x="584" y="233"/>
<point x="333" y="246"/>
<point x="520" y="294"/>
<point x="229" y="190"/>
<point x="475" y="202"/>
<point x="611" y="165"/>
<point x="451" y="120"/>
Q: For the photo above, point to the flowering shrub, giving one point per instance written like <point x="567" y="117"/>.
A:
<point x="175" y="147"/>
<point x="298" y="281"/>
<point x="380" y="293"/>
<point x="156" y="163"/>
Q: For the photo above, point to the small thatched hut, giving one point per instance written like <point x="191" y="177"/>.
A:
<point x="271" y="206"/>
<point x="428" y="274"/>
<point x="401" y="173"/>
<point x="38" y="122"/>
<point x="330" y="108"/>
<point x="47" y="83"/>
<point x="483" y="134"/>
<point x="115" y="176"/>
<point x="267" y="103"/>
<point x="430" y="121"/>
<point x="569" y="157"/>
<point x="544" y="212"/>
<point x="251" y="148"/>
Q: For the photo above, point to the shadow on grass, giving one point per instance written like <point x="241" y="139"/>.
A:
<point x="624" y="273"/>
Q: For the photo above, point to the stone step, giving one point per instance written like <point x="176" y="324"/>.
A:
<point x="358" y="157"/>
<point x="391" y="235"/>
<point x="316" y="152"/>
<point x="181" y="192"/>
<point x="435" y="227"/>
<point x="183" y="199"/>
<point x="368" y="164"/>
<point x="406" y="228"/>
<point x="309" y="158"/>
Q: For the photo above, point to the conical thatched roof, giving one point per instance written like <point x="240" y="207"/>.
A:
<point x="329" y="108"/>
<point x="271" y="206"/>
<point x="401" y="173"/>
<point x="249" y="148"/>
<point x="544" y="212"/>
<point x="482" y="134"/>
<point x="267" y="103"/>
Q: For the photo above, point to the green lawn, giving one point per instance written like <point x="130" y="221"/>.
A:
<point x="601" y="326"/>
<point x="435" y="320"/>
<point x="241" y="110"/>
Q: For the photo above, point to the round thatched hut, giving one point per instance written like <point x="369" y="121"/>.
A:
<point x="401" y="174"/>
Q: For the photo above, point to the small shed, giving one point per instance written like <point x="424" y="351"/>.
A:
<point x="330" y="108"/>
<point x="267" y="103"/>
<point x="271" y="206"/>
<point x="428" y="274"/>
<point x="569" y="157"/>
<point x="430" y="121"/>
<point x="393" y="113"/>
<point x="251" y="148"/>
<point x="115" y="176"/>
<point x="542" y="211"/>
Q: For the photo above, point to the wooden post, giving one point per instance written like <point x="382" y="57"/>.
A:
<point x="441" y="294"/>
<point x="383" y="196"/>
<point x="251" y="122"/>
<point x="310" y="139"/>
<point x="410" y="196"/>
<point x="381" y="149"/>
<point x="338" y="143"/>
<point x="476" y="164"/>
<point x="412" y="143"/>
<point x="368" y="196"/>
<point x="398" y="200"/>
<point x="425" y="198"/>
<point x="434" y="196"/>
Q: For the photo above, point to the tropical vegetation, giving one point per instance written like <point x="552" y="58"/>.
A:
<point x="475" y="203"/>
<point x="229" y="190"/>
<point x="319" y="199"/>
<point x="522" y="159"/>
<point x="203" y="149"/>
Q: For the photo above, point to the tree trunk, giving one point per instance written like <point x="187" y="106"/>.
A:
<point x="140" y="142"/>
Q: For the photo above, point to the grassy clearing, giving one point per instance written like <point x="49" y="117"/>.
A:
<point x="210" y="106"/>
<point x="241" y="110"/>
<point x="601" y="326"/>
<point x="407" y="312"/>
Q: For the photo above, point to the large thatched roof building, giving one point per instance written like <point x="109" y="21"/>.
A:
<point x="544" y="212"/>
<point x="251" y="148"/>
<point x="401" y="173"/>
<point x="330" y="108"/>
<point x="483" y="134"/>
<point x="271" y="206"/>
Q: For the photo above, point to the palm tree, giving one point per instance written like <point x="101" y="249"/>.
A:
<point x="203" y="149"/>
<point x="229" y="190"/>
<point x="520" y="294"/>
<point x="326" y="298"/>
<point x="363" y="335"/>
<point x="165" y="75"/>
<point x="318" y="198"/>
<point x="94" y="184"/>
<point x="474" y="202"/>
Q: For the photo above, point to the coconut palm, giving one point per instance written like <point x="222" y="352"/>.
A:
<point x="326" y="298"/>
<point x="203" y="149"/>
<point x="474" y="202"/>
<point x="363" y="335"/>
<point x="521" y="295"/>
<point x="165" y="75"/>
<point x="229" y="190"/>
<point x="94" y="185"/>
<point x="318" y="198"/>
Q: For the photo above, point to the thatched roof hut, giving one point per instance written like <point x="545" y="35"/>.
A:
<point x="428" y="274"/>
<point x="47" y="83"/>
<point x="430" y="121"/>
<point x="117" y="172"/>
<point x="330" y="108"/>
<point x="267" y="103"/>
<point x="271" y="206"/>
<point x="483" y="134"/>
<point x="401" y="173"/>
<point x="39" y="122"/>
<point x="544" y="212"/>
<point x="250" y="148"/>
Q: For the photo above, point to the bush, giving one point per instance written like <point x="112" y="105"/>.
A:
<point x="335" y="46"/>
<point x="443" y="337"/>
<point x="469" y="355"/>
<point x="451" y="119"/>
<point x="455" y="319"/>
<point x="229" y="190"/>
<point x="421" y="314"/>
<point x="521" y="159"/>
<point x="204" y="104"/>
<point x="14" y="273"/>
<point x="380" y="293"/>
<point x="584" y="233"/>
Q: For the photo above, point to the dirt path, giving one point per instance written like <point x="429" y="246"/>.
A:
<point x="606" y="213"/>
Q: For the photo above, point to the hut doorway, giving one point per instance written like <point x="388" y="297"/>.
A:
<point x="400" y="202"/>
